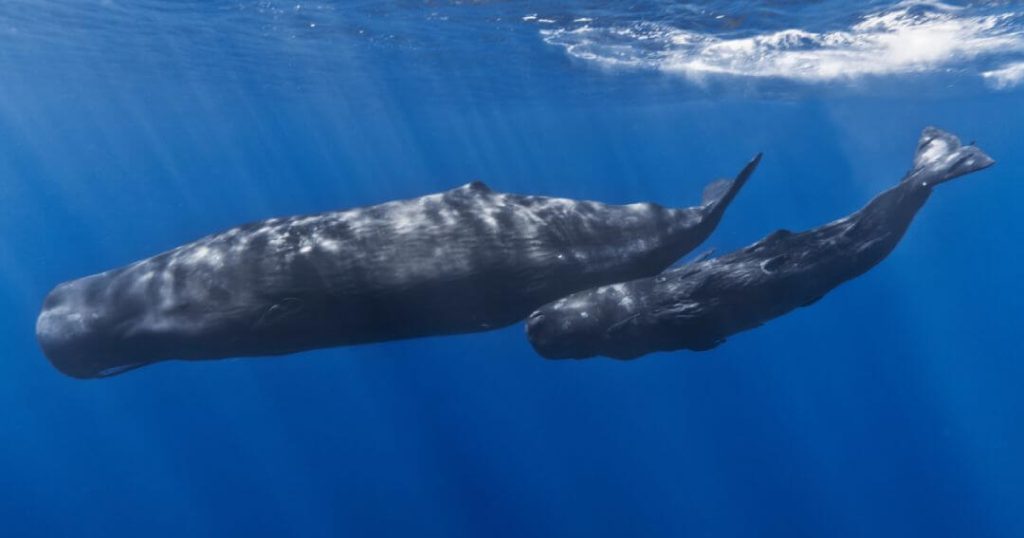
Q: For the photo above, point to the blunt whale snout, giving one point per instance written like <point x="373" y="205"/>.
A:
<point x="76" y="336"/>
<point x="563" y="337"/>
<point x="547" y="336"/>
<point x="64" y="330"/>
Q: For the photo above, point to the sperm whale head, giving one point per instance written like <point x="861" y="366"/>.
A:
<point x="109" y="323"/>
<point x="81" y="335"/>
<point x="565" y="331"/>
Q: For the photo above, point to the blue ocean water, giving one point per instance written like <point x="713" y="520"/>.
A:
<point x="890" y="408"/>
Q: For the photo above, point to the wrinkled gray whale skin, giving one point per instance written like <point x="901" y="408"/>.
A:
<point x="696" y="306"/>
<point x="468" y="259"/>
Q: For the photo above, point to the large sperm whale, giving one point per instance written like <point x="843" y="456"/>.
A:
<point x="464" y="260"/>
<point x="696" y="306"/>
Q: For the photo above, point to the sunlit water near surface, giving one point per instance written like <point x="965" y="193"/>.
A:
<point x="890" y="408"/>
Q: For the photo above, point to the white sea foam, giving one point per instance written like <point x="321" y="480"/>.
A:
<point x="1008" y="76"/>
<point x="908" y="38"/>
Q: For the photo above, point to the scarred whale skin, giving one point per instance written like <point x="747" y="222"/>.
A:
<point x="468" y="259"/>
<point x="698" y="305"/>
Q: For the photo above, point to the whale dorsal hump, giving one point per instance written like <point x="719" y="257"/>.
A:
<point x="770" y="240"/>
<point x="476" y="186"/>
<point x="777" y="235"/>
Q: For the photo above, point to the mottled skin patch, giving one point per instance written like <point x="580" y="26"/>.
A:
<point x="697" y="306"/>
<point x="464" y="260"/>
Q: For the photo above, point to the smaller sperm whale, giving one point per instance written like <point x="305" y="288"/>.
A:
<point x="697" y="306"/>
<point x="464" y="260"/>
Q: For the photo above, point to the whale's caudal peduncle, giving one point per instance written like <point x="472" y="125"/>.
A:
<point x="700" y="304"/>
<point x="467" y="259"/>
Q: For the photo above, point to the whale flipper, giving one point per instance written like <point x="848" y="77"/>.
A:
<point x="940" y="157"/>
<point x="115" y="370"/>
<point x="718" y="194"/>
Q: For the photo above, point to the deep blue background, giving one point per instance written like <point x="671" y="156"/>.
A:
<point x="891" y="408"/>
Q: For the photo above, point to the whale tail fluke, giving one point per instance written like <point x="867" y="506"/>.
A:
<point x="719" y="194"/>
<point x="940" y="157"/>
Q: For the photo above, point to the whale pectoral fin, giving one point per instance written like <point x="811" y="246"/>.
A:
<point x="675" y="314"/>
<point x="619" y="327"/>
<point x="115" y="370"/>
<point x="279" y="312"/>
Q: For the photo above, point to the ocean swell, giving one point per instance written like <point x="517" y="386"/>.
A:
<point x="906" y="38"/>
